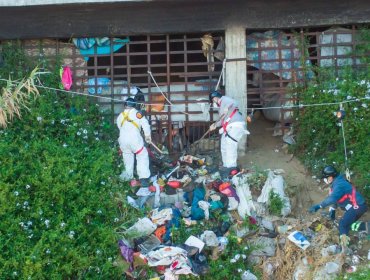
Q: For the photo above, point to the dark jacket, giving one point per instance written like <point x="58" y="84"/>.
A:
<point x="340" y="187"/>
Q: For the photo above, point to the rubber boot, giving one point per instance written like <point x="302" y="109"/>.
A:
<point x="344" y="242"/>
<point x="142" y="199"/>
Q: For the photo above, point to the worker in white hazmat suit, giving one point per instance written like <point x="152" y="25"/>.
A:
<point x="233" y="129"/>
<point x="130" y="123"/>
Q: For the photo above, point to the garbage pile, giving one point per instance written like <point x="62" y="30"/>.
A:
<point x="194" y="192"/>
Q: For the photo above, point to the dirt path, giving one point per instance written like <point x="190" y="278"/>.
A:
<point x="265" y="151"/>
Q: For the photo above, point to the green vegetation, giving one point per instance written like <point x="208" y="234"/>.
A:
<point x="57" y="168"/>
<point x="318" y="130"/>
<point x="275" y="204"/>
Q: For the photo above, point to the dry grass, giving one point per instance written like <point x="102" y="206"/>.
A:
<point x="15" y="96"/>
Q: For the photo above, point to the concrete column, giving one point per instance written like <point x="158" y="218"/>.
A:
<point x="236" y="71"/>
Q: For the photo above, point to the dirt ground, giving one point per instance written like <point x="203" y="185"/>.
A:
<point x="266" y="151"/>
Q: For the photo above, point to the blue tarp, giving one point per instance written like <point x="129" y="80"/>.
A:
<point x="104" y="49"/>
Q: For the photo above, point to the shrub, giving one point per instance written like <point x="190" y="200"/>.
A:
<point x="320" y="134"/>
<point x="57" y="187"/>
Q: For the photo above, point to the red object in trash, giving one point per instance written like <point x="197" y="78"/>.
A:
<point x="224" y="186"/>
<point x="134" y="183"/>
<point x="161" y="269"/>
<point x="152" y="188"/>
<point x="174" y="184"/>
<point x="252" y="220"/>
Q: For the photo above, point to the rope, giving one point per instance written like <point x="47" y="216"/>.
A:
<point x="300" y="106"/>
<point x="222" y="74"/>
<point x="150" y="73"/>
<point x="348" y="174"/>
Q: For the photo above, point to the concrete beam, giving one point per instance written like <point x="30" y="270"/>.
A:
<point x="21" y="3"/>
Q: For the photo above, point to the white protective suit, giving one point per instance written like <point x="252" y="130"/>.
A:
<point x="233" y="129"/>
<point x="130" y="122"/>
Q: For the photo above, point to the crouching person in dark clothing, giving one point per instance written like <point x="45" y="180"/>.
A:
<point x="345" y="196"/>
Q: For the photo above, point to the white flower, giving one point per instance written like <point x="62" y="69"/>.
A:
<point x="78" y="133"/>
<point x="97" y="139"/>
<point x="47" y="223"/>
<point x="48" y="251"/>
<point x="84" y="131"/>
<point x="240" y="270"/>
<point x="39" y="118"/>
<point x="349" y="97"/>
<point x="16" y="193"/>
<point x="355" y="109"/>
<point x="351" y="152"/>
<point x="15" y="273"/>
<point x="362" y="82"/>
<point x="28" y="186"/>
<point x="65" y="145"/>
<point x="364" y="105"/>
<point x="98" y="252"/>
<point x="102" y="182"/>
<point x="313" y="130"/>
<point x="237" y="257"/>
<point x="110" y="259"/>
<point x="116" y="220"/>
<point x="62" y="224"/>
<point x="99" y="211"/>
<point x="21" y="224"/>
<point x="233" y="261"/>
<point x="85" y="137"/>
<point x="29" y="223"/>
<point x="25" y="203"/>
<point x="244" y="256"/>
<point x="30" y="236"/>
<point x="71" y="234"/>
<point x="62" y="121"/>
<point x="96" y="132"/>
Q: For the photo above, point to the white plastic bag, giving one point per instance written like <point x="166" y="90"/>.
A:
<point x="275" y="183"/>
<point x="246" y="205"/>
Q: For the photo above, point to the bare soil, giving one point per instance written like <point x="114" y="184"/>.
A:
<point x="266" y="152"/>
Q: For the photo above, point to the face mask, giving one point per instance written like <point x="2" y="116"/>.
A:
<point x="326" y="181"/>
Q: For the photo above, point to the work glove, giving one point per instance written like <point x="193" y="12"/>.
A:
<point x="332" y="213"/>
<point x="148" y="139"/>
<point x="212" y="127"/>
<point x="314" y="208"/>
